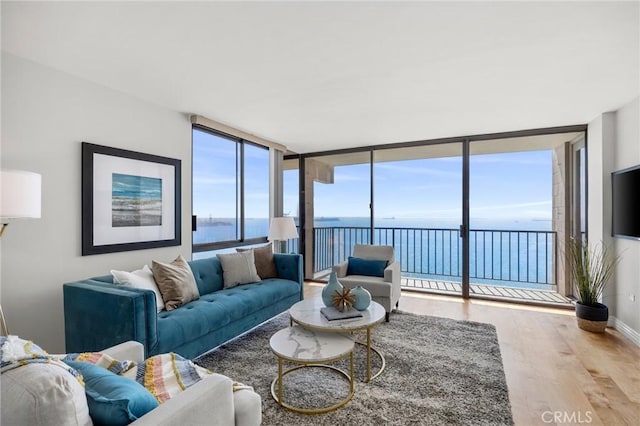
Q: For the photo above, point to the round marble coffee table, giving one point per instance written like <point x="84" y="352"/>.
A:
<point x="306" y="313"/>
<point x="310" y="349"/>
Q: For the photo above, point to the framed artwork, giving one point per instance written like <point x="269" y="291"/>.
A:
<point x="130" y="200"/>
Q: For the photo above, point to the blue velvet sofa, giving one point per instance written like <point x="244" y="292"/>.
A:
<point x="99" y="314"/>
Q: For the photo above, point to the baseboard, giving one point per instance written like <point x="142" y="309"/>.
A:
<point x="624" y="329"/>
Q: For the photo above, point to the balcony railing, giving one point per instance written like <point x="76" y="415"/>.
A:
<point x="494" y="255"/>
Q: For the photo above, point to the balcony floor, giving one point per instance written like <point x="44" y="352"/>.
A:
<point x="516" y="294"/>
<point x="494" y="292"/>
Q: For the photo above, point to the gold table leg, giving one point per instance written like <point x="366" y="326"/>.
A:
<point x="368" y="354"/>
<point x="352" y="375"/>
<point x="369" y="349"/>
<point x="349" y="377"/>
<point x="279" y="380"/>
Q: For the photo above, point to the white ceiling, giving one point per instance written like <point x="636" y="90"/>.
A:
<point x="320" y="76"/>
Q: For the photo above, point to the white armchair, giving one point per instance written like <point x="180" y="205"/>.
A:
<point x="42" y="394"/>
<point x="384" y="290"/>
<point x="210" y="401"/>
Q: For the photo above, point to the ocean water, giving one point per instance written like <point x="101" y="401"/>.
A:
<point x="517" y="252"/>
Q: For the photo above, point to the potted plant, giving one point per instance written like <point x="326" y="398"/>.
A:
<point x="591" y="268"/>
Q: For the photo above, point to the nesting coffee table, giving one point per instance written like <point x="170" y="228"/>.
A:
<point x="309" y="349"/>
<point x="306" y="314"/>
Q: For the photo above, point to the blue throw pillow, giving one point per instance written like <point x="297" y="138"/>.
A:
<point x="372" y="268"/>
<point x="113" y="400"/>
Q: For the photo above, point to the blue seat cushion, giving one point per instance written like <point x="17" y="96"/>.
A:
<point x="215" y="310"/>
<point x="113" y="400"/>
<point x="368" y="267"/>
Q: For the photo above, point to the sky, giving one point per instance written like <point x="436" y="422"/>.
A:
<point x="214" y="178"/>
<point x="509" y="186"/>
<point x="504" y="186"/>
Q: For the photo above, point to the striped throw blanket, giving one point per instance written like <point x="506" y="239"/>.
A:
<point x="16" y="352"/>
<point x="167" y="375"/>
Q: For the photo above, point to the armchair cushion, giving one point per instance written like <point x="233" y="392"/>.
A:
<point x="43" y="394"/>
<point x="113" y="399"/>
<point x="374" y="285"/>
<point x="368" y="267"/>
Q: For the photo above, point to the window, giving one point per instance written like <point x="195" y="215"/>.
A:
<point x="230" y="191"/>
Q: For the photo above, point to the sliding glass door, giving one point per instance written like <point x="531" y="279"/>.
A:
<point x="418" y="210"/>
<point x="515" y="199"/>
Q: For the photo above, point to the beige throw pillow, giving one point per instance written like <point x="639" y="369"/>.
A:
<point x="238" y="268"/>
<point x="263" y="257"/>
<point x="176" y="282"/>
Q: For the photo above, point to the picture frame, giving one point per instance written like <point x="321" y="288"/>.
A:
<point x="130" y="200"/>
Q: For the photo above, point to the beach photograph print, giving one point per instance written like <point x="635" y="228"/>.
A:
<point x="136" y="201"/>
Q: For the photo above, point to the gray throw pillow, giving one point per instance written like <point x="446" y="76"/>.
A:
<point x="176" y="282"/>
<point x="238" y="268"/>
<point x="263" y="257"/>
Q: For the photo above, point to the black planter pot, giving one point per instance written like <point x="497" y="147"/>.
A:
<point x="599" y="312"/>
<point x="592" y="318"/>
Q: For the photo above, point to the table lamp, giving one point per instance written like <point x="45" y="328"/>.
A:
<point x="282" y="229"/>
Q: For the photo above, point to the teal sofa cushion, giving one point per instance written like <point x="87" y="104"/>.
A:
<point x="219" y="309"/>
<point x="208" y="274"/>
<point x="113" y="400"/>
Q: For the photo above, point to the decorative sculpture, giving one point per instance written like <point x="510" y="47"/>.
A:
<point x="343" y="299"/>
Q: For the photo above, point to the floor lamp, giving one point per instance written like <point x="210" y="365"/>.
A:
<point x="21" y="199"/>
<point x="282" y="229"/>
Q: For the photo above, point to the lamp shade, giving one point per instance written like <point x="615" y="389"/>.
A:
<point x="282" y="228"/>
<point x="20" y="194"/>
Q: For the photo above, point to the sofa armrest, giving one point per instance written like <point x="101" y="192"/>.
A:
<point x="98" y="315"/>
<point x="341" y="269"/>
<point x="289" y="267"/>
<point x="130" y="350"/>
<point x="208" y="402"/>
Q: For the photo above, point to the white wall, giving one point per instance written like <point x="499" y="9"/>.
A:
<point x="627" y="154"/>
<point x="46" y="115"/>
<point x="614" y="144"/>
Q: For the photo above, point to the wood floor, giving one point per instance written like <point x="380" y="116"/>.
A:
<point x="556" y="373"/>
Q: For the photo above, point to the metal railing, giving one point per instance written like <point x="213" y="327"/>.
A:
<point x="293" y="245"/>
<point x="494" y="255"/>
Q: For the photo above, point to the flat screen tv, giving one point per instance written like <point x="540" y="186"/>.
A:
<point x="626" y="203"/>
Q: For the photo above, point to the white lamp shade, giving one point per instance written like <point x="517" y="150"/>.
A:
<point x="282" y="228"/>
<point x="20" y="194"/>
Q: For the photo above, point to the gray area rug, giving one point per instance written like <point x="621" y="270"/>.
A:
<point x="438" y="371"/>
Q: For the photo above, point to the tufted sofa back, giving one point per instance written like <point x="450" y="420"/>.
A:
<point x="208" y="274"/>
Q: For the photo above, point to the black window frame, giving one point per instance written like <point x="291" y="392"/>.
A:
<point x="240" y="188"/>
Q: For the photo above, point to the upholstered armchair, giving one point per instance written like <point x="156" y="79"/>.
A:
<point x="44" y="394"/>
<point x="383" y="284"/>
